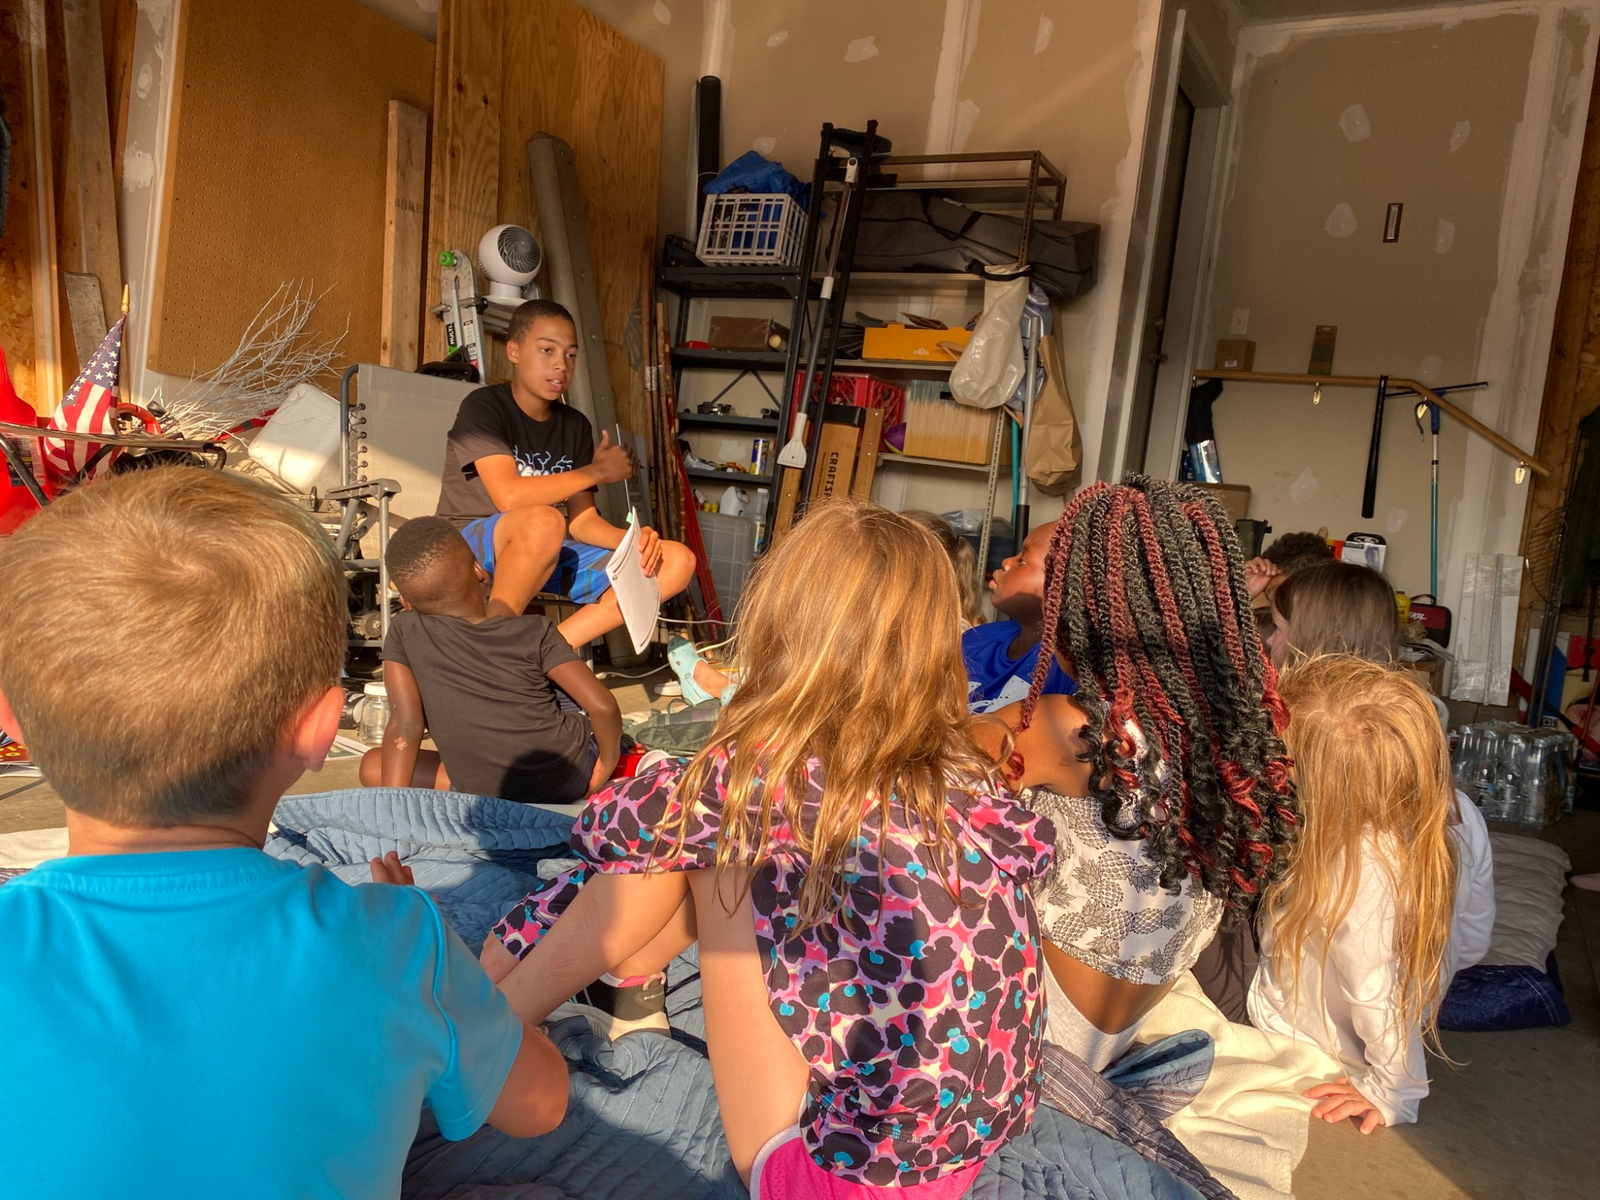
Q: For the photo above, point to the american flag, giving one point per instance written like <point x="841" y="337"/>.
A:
<point x="87" y="407"/>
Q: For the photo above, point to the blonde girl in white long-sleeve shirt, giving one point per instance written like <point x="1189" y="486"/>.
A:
<point x="1354" y="937"/>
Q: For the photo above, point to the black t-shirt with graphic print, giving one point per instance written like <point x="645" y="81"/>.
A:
<point x="489" y="423"/>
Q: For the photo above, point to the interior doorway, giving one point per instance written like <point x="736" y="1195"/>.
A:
<point x="1170" y="349"/>
<point x="1163" y="247"/>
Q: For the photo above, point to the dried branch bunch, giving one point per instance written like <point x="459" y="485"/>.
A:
<point x="275" y="355"/>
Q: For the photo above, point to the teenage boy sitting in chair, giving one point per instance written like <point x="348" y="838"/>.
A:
<point x="226" y="1023"/>
<point x="515" y="452"/>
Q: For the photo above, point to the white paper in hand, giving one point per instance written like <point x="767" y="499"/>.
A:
<point x="638" y="594"/>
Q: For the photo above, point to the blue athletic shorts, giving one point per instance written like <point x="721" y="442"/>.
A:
<point x="580" y="573"/>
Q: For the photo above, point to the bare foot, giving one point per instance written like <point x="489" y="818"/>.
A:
<point x="711" y="679"/>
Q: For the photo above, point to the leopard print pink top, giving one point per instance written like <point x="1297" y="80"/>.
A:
<point x="921" y="1017"/>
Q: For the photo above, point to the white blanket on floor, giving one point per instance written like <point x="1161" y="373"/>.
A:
<point x="1249" y="1124"/>
<point x="32" y="847"/>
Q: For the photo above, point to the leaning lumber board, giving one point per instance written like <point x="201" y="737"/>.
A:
<point x="88" y="177"/>
<point x="405" y="194"/>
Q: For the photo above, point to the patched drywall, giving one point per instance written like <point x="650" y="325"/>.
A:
<point x="1068" y="77"/>
<point x="1335" y="124"/>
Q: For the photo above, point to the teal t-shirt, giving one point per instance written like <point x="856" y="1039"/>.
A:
<point x="219" y="1023"/>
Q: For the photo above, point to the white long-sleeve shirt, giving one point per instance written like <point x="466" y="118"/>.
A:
<point x="1346" y="1004"/>
<point x="1348" y="1007"/>
<point x="1472" y="921"/>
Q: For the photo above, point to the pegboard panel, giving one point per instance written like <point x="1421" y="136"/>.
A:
<point x="279" y="169"/>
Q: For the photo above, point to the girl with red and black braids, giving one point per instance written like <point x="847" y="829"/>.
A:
<point x="1165" y="775"/>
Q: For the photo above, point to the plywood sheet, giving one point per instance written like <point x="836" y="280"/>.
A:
<point x="1572" y="378"/>
<point x="279" y="171"/>
<point x="466" y="139"/>
<point x="29" y="299"/>
<point x="87" y="180"/>
<point x="562" y="71"/>
<point x="570" y="74"/>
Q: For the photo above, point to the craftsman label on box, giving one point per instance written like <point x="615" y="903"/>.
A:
<point x="746" y="333"/>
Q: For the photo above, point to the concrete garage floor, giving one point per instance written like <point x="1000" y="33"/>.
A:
<point x="1518" y="1117"/>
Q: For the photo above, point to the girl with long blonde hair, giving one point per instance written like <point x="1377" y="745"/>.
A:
<point x="1354" y="937"/>
<point x="869" y="951"/>
<point x="963" y="559"/>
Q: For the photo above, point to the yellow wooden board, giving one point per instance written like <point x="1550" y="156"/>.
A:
<point x="867" y="455"/>
<point x="281" y="146"/>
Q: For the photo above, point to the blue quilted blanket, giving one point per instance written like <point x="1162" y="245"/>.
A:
<point x="476" y="855"/>
<point x="642" y="1121"/>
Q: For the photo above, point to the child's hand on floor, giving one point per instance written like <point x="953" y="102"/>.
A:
<point x="1258" y="572"/>
<point x="1339" y="1100"/>
<point x="649" y="550"/>
<point x="389" y="869"/>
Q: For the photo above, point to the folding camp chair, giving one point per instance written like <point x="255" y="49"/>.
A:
<point x="395" y="428"/>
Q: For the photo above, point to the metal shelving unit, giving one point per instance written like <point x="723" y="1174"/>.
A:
<point x="1024" y="182"/>
<point x="692" y="284"/>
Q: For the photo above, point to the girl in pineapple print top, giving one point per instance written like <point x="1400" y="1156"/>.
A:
<point x="869" y="952"/>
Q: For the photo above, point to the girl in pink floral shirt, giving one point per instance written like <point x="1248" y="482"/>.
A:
<point x="869" y="951"/>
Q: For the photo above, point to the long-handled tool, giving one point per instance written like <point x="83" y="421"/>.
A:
<point x="1369" y="493"/>
<point x="1433" y="500"/>
<point x="1431" y="411"/>
<point x="793" y="453"/>
<point x="1019" y="439"/>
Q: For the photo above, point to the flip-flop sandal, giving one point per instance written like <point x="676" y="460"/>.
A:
<point x="682" y="658"/>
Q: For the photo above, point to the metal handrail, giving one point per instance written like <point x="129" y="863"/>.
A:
<point x="1497" y="440"/>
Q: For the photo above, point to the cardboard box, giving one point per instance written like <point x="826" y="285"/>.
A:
<point x="1322" y="343"/>
<point x="1425" y="671"/>
<point x="1234" y="498"/>
<point x="746" y="333"/>
<point x="1235" y="354"/>
<point x="1362" y="554"/>
<point x="899" y="342"/>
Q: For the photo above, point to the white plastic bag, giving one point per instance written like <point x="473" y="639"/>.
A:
<point x="990" y="368"/>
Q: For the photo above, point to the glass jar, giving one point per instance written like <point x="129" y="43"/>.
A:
<point x="374" y="713"/>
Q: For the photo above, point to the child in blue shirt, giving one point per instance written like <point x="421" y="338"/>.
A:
<point x="1002" y="655"/>
<point x="180" y="1015"/>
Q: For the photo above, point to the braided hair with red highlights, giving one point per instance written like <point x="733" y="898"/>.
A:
<point x="1145" y="594"/>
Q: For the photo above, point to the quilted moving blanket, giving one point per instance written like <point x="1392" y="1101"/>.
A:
<point x="476" y="855"/>
<point x="642" y="1121"/>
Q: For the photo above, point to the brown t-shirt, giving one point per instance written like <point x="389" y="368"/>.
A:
<point x="490" y="423"/>
<point x="491" y="707"/>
